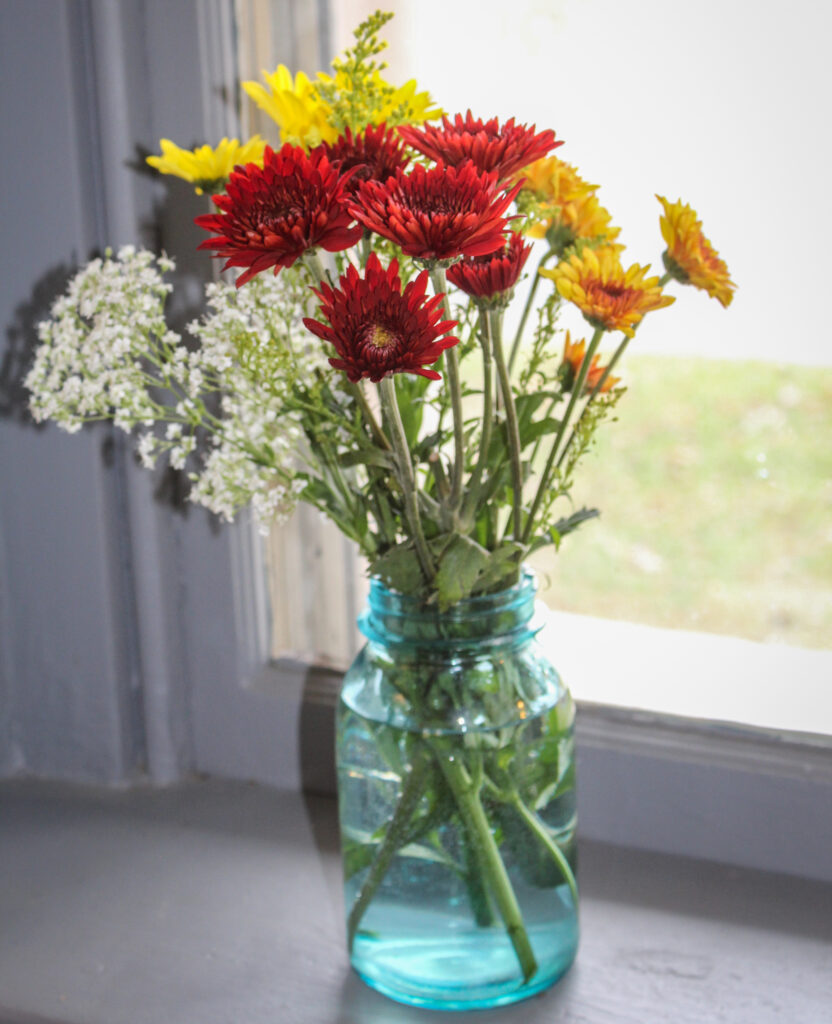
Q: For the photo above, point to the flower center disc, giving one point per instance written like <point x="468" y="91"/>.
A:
<point x="380" y="337"/>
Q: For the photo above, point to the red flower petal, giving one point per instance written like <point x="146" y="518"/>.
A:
<point x="378" y="329"/>
<point x="491" y="275"/>
<point x="436" y="214"/>
<point x="272" y="214"/>
<point x="504" y="151"/>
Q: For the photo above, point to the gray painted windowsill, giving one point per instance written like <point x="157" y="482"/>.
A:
<point x="220" y="903"/>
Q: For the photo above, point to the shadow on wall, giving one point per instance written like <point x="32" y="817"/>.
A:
<point x="172" y="217"/>
<point x="22" y="340"/>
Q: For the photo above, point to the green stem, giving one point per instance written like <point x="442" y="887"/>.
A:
<point x="437" y="277"/>
<point x="369" y="416"/>
<point x="539" y="829"/>
<point x="330" y="460"/>
<point x="401" y="452"/>
<point x="394" y="838"/>
<point x="493" y="869"/>
<point x="495" y="324"/>
<point x="619" y="352"/>
<point x="577" y="388"/>
<point x="515" y="345"/>
<point x="438" y="470"/>
<point x="472" y="498"/>
<point x="550" y="408"/>
<point x="477" y="892"/>
<point x="312" y="261"/>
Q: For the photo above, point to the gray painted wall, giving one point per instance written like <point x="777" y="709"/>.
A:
<point x="131" y="625"/>
<point x="93" y="666"/>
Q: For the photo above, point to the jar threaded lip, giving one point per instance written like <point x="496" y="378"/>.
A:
<point x="502" y="618"/>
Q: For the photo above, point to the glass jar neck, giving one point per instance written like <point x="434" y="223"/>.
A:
<point x="501" y="619"/>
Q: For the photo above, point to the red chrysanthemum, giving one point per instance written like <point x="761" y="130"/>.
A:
<point x="492" y="276"/>
<point x="438" y="213"/>
<point x="489" y="147"/>
<point x="378" y="329"/>
<point x="274" y="213"/>
<point x="374" y="154"/>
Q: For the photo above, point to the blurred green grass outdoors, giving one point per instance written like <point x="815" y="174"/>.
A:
<point x="715" y="491"/>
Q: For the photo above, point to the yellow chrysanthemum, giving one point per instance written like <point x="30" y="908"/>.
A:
<point x="690" y="257"/>
<point x="608" y="295"/>
<point x="206" y="167"/>
<point x="586" y="218"/>
<point x="562" y="206"/>
<point x="303" y="117"/>
<point x="555" y="181"/>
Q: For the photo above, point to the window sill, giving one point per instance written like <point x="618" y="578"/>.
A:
<point x="215" y="901"/>
<point x="695" y="675"/>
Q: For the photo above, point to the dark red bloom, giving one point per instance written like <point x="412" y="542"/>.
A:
<point x="505" y="150"/>
<point x="486" y="277"/>
<point x="274" y="213"/>
<point x="438" y="213"/>
<point x="377" y="328"/>
<point x="373" y="154"/>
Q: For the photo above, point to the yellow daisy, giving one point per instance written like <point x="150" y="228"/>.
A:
<point x="300" y="113"/>
<point x="690" y="257"/>
<point x="609" y="296"/>
<point x="206" y="167"/>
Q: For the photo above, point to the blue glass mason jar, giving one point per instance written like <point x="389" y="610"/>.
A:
<point x="456" y="784"/>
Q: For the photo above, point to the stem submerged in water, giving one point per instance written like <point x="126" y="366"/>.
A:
<point x="394" y="838"/>
<point x="494" y="873"/>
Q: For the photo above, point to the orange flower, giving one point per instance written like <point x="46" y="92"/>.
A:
<point x="608" y="296"/>
<point x="690" y="257"/>
<point x="573" y="355"/>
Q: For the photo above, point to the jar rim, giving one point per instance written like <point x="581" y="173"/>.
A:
<point x="524" y="589"/>
<point x="499" y="619"/>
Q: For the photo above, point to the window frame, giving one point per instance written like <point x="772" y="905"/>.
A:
<point x="193" y="688"/>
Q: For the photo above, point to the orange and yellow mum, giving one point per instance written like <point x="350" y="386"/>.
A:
<point x="574" y="353"/>
<point x="561" y="204"/>
<point x="690" y="257"/>
<point x="609" y="296"/>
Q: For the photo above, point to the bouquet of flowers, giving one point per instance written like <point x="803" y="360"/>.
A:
<point x="357" y="362"/>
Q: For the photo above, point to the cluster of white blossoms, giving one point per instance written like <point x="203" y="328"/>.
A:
<point x="253" y="350"/>
<point x="227" y="410"/>
<point x="90" y="361"/>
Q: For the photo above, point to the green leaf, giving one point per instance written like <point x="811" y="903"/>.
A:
<point x="461" y="565"/>
<point x="570" y="523"/>
<point x="422" y="450"/>
<point x="399" y="569"/>
<point x="532" y="431"/>
<point x="410" y="390"/>
<point x="368" y="457"/>
<point x="555" y="533"/>
<point x="503" y="562"/>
